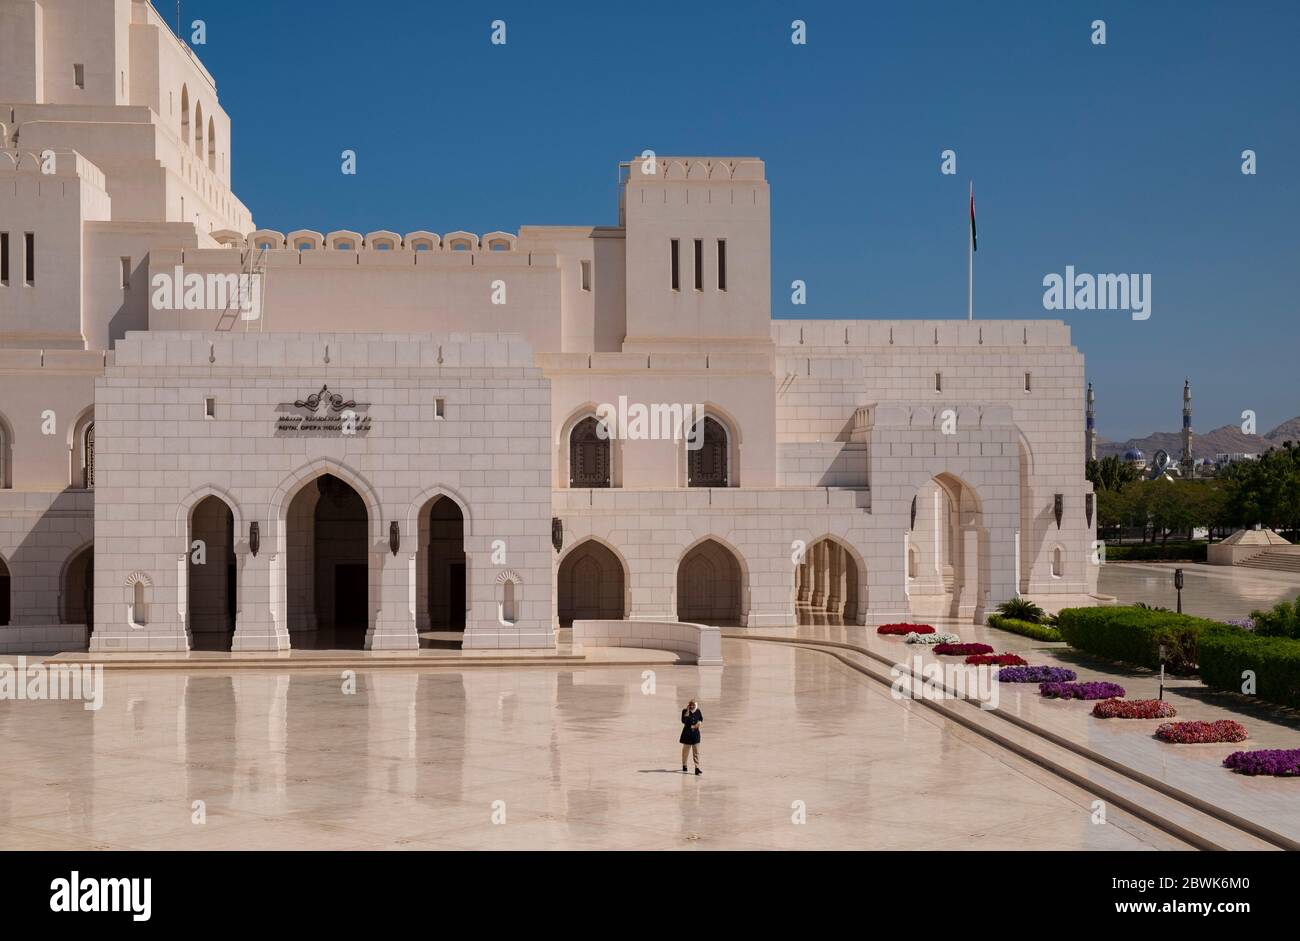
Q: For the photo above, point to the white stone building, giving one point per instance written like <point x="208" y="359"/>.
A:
<point x="400" y="436"/>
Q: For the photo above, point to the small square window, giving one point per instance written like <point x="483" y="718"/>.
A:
<point x="439" y="408"/>
<point x="210" y="407"/>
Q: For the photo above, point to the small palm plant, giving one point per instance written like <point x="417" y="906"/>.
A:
<point x="1021" y="609"/>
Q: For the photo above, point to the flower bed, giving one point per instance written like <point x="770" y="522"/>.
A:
<point x="1089" y="690"/>
<point x="1201" y="733"/>
<point x="1134" y="709"/>
<point x="997" y="660"/>
<point x="961" y="650"/>
<point x="1036" y="675"/>
<point x="940" y="638"/>
<point x="905" y="629"/>
<point x="1279" y="762"/>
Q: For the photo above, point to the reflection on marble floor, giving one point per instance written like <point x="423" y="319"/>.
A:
<point x="1209" y="591"/>
<point x="580" y="758"/>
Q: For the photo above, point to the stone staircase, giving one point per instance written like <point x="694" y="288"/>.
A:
<point x="1281" y="559"/>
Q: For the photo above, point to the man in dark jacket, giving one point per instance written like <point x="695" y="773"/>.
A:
<point x="692" y="718"/>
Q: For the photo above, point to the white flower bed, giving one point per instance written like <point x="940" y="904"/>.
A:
<point x="939" y="637"/>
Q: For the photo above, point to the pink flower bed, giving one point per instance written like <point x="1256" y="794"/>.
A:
<point x="1201" y="733"/>
<point x="1133" y="709"/>
<point x="962" y="650"/>
<point x="1088" y="690"/>
<point x="901" y="629"/>
<point x="997" y="660"/>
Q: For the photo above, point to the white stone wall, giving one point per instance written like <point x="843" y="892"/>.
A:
<point x="158" y="456"/>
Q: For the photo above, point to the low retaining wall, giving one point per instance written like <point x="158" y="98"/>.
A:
<point x="43" y="638"/>
<point x="700" y="641"/>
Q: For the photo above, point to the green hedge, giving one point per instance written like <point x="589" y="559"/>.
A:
<point x="1228" y="651"/>
<point x="1173" y="552"/>
<point x="1134" y="635"/>
<point x="1027" y="628"/>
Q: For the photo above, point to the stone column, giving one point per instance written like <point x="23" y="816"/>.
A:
<point x="820" y="575"/>
<point x="394" y="626"/>
<point x="805" y="579"/>
<point x="835" y="596"/>
<point x="261" y="621"/>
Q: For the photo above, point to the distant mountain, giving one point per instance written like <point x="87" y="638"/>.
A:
<point x="1226" y="440"/>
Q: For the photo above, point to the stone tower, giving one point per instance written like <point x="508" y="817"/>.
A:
<point x="1189" y="465"/>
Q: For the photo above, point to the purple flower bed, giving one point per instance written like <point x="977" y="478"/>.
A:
<point x="1036" y="675"/>
<point x="1279" y="762"/>
<point x="1247" y="624"/>
<point x="1081" y="690"/>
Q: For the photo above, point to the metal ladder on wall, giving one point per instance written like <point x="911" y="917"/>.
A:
<point x="253" y="267"/>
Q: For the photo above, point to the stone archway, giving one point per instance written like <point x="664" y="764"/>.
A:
<point x="211" y="599"/>
<point x="591" y="584"/>
<point x="327" y="561"/>
<point x="830" y="584"/>
<point x="944" y="550"/>
<point x="710" y="584"/>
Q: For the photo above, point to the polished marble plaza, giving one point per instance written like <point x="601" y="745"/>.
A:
<point x="1209" y="591"/>
<point x="580" y="758"/>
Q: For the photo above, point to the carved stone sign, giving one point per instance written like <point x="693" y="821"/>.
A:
<point x="322" y="414"/>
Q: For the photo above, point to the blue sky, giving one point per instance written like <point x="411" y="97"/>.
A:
<point x="1115" y="158"/>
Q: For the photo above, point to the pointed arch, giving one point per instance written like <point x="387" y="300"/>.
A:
<point x="304" y="475"/>
<point x="712" y="582"/>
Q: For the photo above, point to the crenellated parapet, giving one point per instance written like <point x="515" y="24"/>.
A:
<point x="383" y="240"/>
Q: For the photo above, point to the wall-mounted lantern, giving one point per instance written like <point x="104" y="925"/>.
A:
<point x="394" y="537"/>
<point x="1058" y="507"/>
<point x="1087" y="507"/>
<point x="557" y="533"/>
<point x="254" y="538"/>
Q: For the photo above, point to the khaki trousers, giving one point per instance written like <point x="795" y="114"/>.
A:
<point x="692" y="750"/>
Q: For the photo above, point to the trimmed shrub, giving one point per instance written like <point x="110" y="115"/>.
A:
<point x="1134" y="635"/>
<point x="1171" y="552"/>
<point x="1133" y="709"/>
<point x="1226" y="652"/>
<point x="1282" y="620"/>
<point x="1201" y="733"/>
<point x="1024" y="628"/>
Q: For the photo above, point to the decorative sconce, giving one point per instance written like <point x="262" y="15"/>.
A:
<point x="913" y="525"/>
<point x="394" y="537"/>
<point x="1087" y="507"/>
<point x="254" y="538"/>
<point x="1058" y="506"/>
<point x="557" y="533"/>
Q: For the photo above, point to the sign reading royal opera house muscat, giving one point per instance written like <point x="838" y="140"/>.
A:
<point x="476" y="438"/>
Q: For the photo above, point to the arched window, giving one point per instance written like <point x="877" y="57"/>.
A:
<point x="508" y="603"/>
<point x="212" y="145"/>
<point x="185" y="114"/>
<point x="707" y="465"/>
<point x="88" y="457"/>
<point x="139" y="604"/>
<point x="198" y="130"/>
<point x="589" y="457"/>
<point x="1058" y="563"/>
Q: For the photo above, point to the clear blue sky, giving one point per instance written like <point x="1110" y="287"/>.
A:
<point x="1115" y="158"/>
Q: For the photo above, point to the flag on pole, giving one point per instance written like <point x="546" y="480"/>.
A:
<point x="973" y="243"/>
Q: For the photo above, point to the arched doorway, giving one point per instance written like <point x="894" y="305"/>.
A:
<point x="328" y="578"/>
<point x="827" y="584"/>
<point x="710" y="585"/>
<point x="79" y="589"/>
<point x="212" y="579"/>
<point x="5" y="610"/>
<point x="440" y="568"/>
<point x="590" y="585"/>
<point x="944" y="549"/>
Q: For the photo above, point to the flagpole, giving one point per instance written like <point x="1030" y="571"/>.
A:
<point x="970" y="259"/>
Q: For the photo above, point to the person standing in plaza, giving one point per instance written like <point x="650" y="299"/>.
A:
<point x="692" y="719"/>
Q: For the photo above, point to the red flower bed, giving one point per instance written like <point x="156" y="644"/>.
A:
<point x="997" y="660"/>
<point x="962" y="650"/>
<point x="901" y="629"/>
<point x="1201" y="733"/>
<point x="1133" y="709"/>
